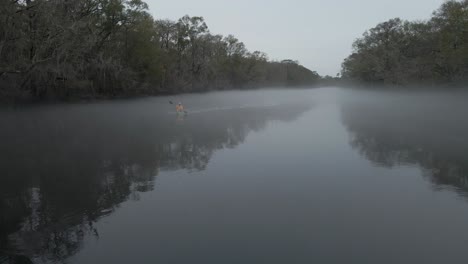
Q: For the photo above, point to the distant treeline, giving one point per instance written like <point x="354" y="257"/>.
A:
<point x="64" y="48"/>
<point x="422" y="52"/>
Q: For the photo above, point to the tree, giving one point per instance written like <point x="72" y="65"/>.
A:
<point x="402" y="52"/>
<point x="94" y="48"/>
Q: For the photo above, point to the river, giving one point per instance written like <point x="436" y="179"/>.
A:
<point x="328" y="175"/>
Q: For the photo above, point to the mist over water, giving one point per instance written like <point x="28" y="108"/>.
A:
<point x="271" y="176"/>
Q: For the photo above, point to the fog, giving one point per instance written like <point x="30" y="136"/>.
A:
<point x="394" y="128"/>
<point x="267" y="175"/>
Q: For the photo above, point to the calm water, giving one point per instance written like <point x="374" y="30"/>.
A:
<point x="300" y="176"/>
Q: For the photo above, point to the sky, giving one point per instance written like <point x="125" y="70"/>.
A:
<point x="317" y="33"/>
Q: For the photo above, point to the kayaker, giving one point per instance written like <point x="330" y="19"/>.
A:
<point x="179" y="108"/>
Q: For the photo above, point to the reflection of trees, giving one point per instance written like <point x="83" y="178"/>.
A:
<point x="63" y="168"/>
<point x="429" y="135"/>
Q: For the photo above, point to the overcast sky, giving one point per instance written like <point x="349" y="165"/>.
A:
<point x="317" y="33"/>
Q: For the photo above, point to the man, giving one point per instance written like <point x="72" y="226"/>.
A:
<point x="179" y="108"/>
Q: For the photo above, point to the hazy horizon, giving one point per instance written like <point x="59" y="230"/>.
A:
<point x="317" y="33"/>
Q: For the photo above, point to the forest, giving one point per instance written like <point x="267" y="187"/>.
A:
<point x="398" y="52"/>
<point x="116" y="48"/>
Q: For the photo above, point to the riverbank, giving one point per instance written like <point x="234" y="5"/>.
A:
<point x="121" y="50"/>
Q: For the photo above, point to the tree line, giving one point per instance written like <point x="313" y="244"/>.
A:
<point x="420" y="52"/>
<point x="65" y="48"/>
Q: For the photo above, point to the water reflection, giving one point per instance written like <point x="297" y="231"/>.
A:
<point x="427" y="131"/>
<point x="63" y="167"/>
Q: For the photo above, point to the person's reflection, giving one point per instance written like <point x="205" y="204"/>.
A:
<point x="180" y="118"/>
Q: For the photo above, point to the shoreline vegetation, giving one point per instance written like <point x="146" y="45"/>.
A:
<point x="62" y="50"/>
<point x="428" y="53"/>
<point x="103" y="49"/>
